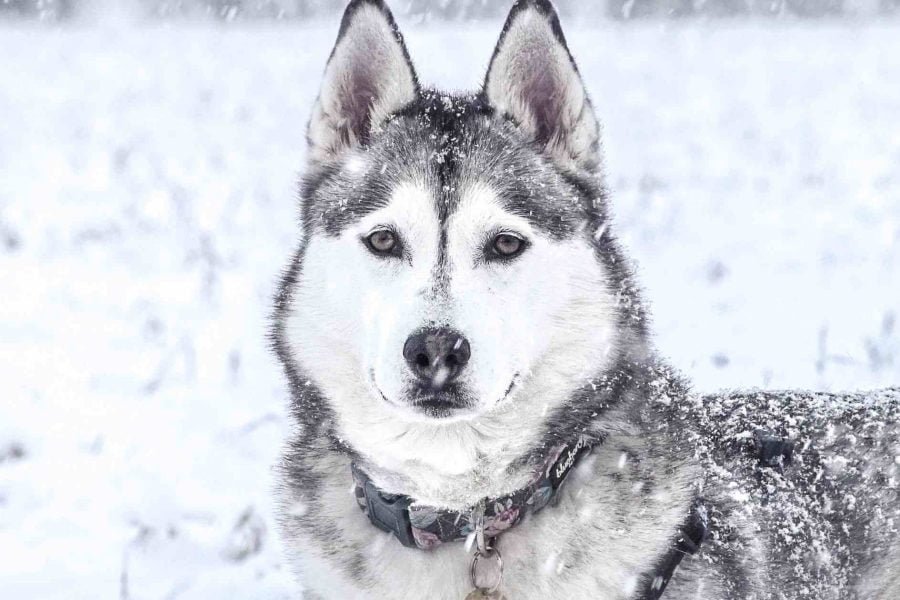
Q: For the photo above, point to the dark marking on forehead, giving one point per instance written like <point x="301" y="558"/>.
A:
<point x="449" y="142"/>
<point x="450" y="121"/>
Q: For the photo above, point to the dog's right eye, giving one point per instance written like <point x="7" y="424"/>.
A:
<point x="383" y="242"/>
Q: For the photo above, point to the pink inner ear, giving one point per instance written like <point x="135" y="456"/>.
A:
<point x="356" y="108"/>
<point x="543" y="96"/>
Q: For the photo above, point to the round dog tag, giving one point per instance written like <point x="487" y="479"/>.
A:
<point x="487" y="593"/>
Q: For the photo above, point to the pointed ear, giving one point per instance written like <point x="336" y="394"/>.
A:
<point x="368" y="77"/>
<point x="533" y="79"/>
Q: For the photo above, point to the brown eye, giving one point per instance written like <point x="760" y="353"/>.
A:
<point x="383" y="241"/>
<point x="507" y="245"/>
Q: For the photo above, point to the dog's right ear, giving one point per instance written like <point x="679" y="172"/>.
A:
<point x="533" y="80"/>
<point x="369" y="76"/>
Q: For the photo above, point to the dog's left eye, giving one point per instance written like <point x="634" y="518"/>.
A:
<point x="383" y="242"/>
<point x="507" y="245"/>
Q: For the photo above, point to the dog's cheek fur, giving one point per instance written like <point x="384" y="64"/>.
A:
<point x="324" y="318"/>
<point x="351" y="311"/>
<point x="552" y="301"/>
<point x="548" y="318"/>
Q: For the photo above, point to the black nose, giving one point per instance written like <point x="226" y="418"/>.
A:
<point x="437" y="356"/>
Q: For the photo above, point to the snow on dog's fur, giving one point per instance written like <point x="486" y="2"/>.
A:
<point x="480" y="222"/>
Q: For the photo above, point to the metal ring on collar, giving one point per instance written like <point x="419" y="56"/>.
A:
<point x="490" y="553"/>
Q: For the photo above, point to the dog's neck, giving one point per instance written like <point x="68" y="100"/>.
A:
<point x="491" y="470"/>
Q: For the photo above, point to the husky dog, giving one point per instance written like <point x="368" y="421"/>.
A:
<point x="479" y="409"/>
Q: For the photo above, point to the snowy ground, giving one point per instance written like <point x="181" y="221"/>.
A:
<point x="147" y="205"/>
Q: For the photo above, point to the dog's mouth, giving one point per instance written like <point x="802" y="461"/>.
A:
<point x="441" y="405"/>
<point x="448" y="403"/>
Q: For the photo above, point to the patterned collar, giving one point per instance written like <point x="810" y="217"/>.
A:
<point x="426" y="527"/>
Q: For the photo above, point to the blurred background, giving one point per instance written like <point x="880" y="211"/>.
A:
<point x="149" y="153"/>
<point x="428" y="10"/>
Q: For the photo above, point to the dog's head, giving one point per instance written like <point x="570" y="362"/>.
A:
<point x="456" y="274"/>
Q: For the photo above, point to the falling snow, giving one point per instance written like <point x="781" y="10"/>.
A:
<point x="147" y="186"/>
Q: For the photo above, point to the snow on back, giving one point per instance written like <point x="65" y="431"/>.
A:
<point x="834" y="496"/>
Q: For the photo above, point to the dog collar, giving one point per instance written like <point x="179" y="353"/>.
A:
<point x="426" y="527"/>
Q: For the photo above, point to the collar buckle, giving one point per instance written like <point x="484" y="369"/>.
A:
<point x="388" y="512"/>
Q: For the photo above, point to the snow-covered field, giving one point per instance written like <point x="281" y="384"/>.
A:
<point x="147" y="205"/>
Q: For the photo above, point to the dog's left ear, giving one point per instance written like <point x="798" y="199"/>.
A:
<point x="369" y="76"/>
<point x="533" y="79"/>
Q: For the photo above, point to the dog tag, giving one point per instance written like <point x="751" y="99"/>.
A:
<point x="484" y="595"/>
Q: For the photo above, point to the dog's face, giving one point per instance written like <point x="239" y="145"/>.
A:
<point x="451" y="276"/>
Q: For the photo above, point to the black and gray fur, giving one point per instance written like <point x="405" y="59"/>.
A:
<point x="823" y="526"/>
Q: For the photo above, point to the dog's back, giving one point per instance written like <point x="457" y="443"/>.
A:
<point x="802" y="491"/>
